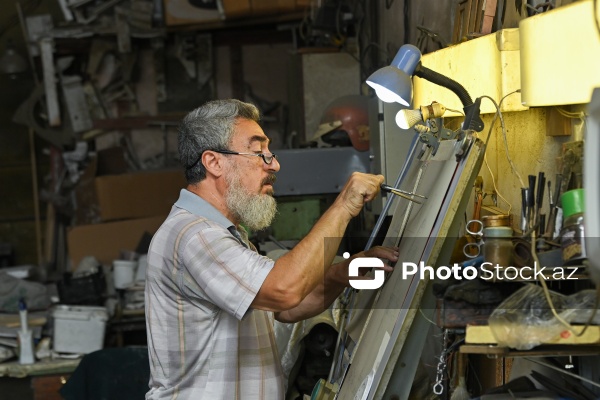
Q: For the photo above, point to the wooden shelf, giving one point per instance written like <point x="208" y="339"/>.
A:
<point x="494" y="351"/>
<point x="250" y="22"/>
<point x="482" y="334"/>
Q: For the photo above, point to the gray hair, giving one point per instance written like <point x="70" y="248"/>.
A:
<point x="209" y="127"/>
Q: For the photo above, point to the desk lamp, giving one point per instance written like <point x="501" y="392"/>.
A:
<point x="393" y="84"/>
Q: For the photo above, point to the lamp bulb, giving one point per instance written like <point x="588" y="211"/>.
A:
<point x="406" y="119"/>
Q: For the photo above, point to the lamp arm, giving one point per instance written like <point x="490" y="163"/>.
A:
<point x="472" y="118"/>
<point x="439" y="79"/>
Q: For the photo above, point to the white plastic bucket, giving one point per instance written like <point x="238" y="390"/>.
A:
<point x="123" y="273"/>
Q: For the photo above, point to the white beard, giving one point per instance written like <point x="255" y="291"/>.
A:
<point x="255" y="211"/>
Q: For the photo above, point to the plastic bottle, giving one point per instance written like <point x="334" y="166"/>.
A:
<point x="25" y="337"/>
<point x="572" y="235"/>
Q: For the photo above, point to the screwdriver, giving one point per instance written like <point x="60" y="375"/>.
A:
<point x="401" y="193"/>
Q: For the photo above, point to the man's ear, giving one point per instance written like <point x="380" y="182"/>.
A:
<point x="212" y="162"/>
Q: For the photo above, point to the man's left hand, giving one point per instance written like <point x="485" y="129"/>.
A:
<point x="389" y="256"/>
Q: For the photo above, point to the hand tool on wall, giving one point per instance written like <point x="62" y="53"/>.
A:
<point x="539" y="197"/>
<point x="531" y="202"/>
<point x="542" y="225"/>
<point x="550" y="200"/>
<point x="524" y="208"/>
<point x="549" y="234"/>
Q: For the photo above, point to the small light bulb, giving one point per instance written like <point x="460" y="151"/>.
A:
<point x="406" y="119"/>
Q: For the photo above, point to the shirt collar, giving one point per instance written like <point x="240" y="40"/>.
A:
<point x="202" y="208"/>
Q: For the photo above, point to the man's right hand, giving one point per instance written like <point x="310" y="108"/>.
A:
<point x="359" y="189"/>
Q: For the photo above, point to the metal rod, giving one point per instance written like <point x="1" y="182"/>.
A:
<point x="36" y="198"/>
<point x="27" y="45"/>
<point x="389" y="201"/>
<point x="564" y="372"/>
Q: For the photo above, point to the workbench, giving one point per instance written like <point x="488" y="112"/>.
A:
<point x="41" y="380"/>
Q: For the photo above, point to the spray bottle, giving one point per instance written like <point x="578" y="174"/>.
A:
<point x="25" y="337"/>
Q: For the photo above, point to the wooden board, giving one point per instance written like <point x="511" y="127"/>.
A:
<point x="483" y="335"/>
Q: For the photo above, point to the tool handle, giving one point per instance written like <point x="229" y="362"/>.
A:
<point x="557" y="189"/>
<point x="531" y="198"/>
<point x="386" y="188"/>
<point x="524" y="208"/>
<point x="550" y="225"/>
<point x="540" y="189"/>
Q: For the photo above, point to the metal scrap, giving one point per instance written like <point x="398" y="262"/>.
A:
<point x="47" y="50"/>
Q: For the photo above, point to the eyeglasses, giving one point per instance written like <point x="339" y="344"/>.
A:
<point x="267" y="158"/>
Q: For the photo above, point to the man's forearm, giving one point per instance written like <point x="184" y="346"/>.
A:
<point x="316" y="302"/>
<point x="307" y="264"/>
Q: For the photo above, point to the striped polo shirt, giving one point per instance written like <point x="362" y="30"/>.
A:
<point x="204" y="340"/>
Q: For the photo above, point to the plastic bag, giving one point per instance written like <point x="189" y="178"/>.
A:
<point x="525" y="320"/>
<point x="582" y="303"/>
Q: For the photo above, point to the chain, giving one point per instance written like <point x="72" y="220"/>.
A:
<point x="438" y="387"/>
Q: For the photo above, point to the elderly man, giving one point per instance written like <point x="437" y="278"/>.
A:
<point x="210" y="297"/>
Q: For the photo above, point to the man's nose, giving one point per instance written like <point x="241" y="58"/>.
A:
<point x="274" y="166"/>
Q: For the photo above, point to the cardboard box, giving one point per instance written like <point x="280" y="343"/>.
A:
<point x="107" y="192"/>
<point x="138" y="194"/>
<point x="236" y="8"/>
<point x="260" y="7"/>
<point x="106" y="241"/>
<point x="182" y="12"/>
<point x="244" y="8"/>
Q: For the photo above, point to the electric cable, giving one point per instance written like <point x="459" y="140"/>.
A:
<point x="574" y="115"/>
<point x="496" y="115"/>
<point x="499" y="114"/>
<point x="426" y="318"/>
<point x="494" y="183"/>
<point x="456" y="111"/>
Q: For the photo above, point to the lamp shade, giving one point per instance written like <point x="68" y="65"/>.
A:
<point x="393" y="83"/>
